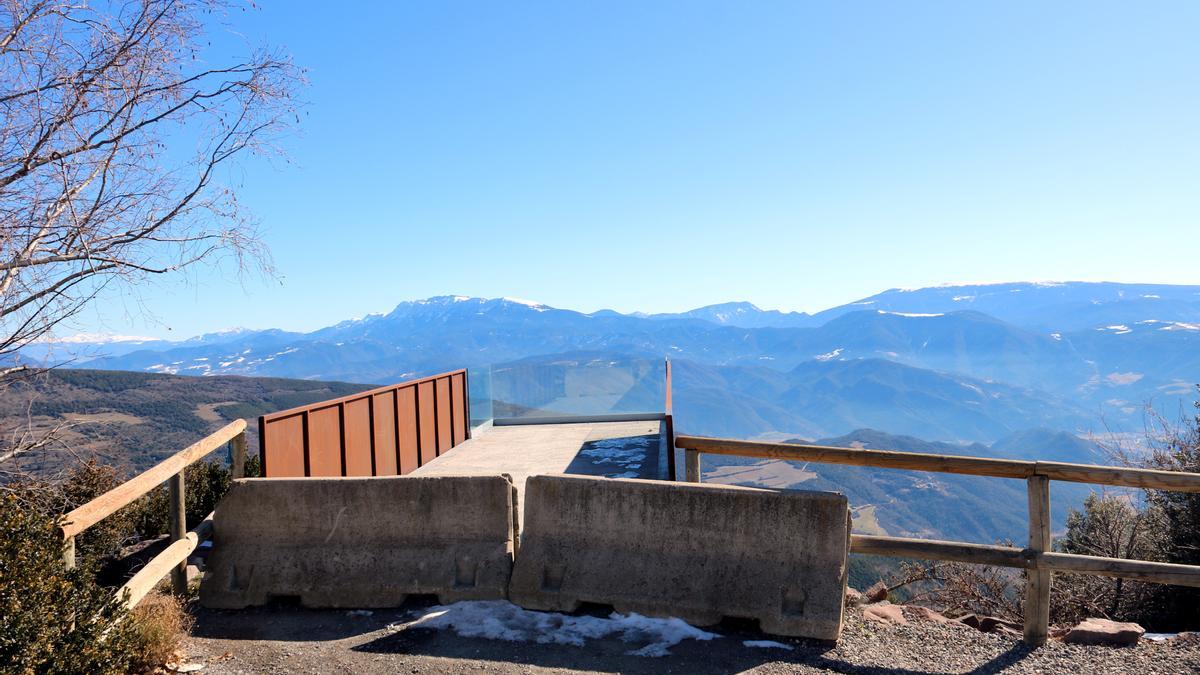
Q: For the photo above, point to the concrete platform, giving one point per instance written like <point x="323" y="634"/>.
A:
<point x="610" y="449"/>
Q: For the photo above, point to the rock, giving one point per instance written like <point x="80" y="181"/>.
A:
<point x="194" y="573"/>
<point x="990" y="624"/>
<point x="918" y="613"/>
<point x="876" y="593"/>
<point x="885" y="612"/>
<point x="853" y="597"/>
<point x="1104" y="632"/>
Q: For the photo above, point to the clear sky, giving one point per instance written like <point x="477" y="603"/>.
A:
<point x="659" y="156"/>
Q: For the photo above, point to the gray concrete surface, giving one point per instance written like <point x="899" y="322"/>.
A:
<point x="361" y="542"/>
<point x="528" y="450"/>
<point x="697" y="552"/>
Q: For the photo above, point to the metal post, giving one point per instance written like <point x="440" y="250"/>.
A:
<point x="692" y="460"/>
<point x="177" y="513"/>
<point x="1037" y="587"/>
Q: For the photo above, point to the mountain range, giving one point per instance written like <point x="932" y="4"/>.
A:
<point x="961" y="363"/>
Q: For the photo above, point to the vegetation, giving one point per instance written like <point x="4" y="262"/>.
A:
<point x="39" y="597"/>
<point x="1149" y="525"/>
<point x="134" y="420"/>
<point x="54" y="620"/>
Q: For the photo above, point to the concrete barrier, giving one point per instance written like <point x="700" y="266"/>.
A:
<point x="361" y="542"/>
<point x="697" y="552"/>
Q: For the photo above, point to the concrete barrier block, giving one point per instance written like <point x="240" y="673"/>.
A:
<point x="361" y="542"/>
<point x="697" y="552"/>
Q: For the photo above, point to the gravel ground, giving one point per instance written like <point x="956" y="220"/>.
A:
<point x="290" y="640"/>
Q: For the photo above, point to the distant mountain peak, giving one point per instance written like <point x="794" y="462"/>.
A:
<point x="742" y="314"/>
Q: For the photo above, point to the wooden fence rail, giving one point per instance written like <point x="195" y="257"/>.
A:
<point x="173" y="559"/>
<point x="1037" y="559"/>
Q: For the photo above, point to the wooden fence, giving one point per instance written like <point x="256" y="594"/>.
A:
<point x="173" y="559"/>
<point x="387" y="431"/>
<point x="1037" y="559"/>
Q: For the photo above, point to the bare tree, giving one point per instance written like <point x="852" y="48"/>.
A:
<point x="113" y="136"/>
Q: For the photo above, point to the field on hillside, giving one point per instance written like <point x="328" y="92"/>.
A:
<point x="133" y="420"/>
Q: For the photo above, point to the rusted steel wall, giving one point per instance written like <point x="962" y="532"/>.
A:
<point x="382" y="432"/>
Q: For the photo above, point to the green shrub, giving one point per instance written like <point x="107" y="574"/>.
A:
<point x="204" y="485"/>
<point x="54" y="620"/>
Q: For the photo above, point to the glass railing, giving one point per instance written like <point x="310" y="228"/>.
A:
<point x="565" y="385"/>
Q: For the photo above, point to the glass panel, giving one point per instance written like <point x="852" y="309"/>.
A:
<point x="564" y="385"/>
<point x="479" y="388"/>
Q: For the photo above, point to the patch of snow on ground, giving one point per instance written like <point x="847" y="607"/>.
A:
<point x="766" y="644"/>
<point x="829" y="356"/>
<point x="1159" y="637"/>
<point x="502" y="620"/>
<point x="622" y="453"/>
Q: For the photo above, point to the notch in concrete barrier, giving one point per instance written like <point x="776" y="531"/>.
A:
<point x="362" y="542"/>
<point x="697" y="552"/>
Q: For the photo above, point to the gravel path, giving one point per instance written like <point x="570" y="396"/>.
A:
<point x="287" y="640"/>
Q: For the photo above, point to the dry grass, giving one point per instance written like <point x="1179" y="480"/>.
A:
<point x="159" y="625"/>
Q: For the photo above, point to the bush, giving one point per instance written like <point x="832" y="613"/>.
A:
<point x="1180" y="512"/>
<point x="204" y="482"/>
<point x="82" y="484"/>
<point x="158" y="622"/>
<point x="54" y="620"/>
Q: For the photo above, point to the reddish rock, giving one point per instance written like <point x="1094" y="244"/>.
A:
<point x="989" y="624"/>
<point x="1104" y="632"/>
<point x="885" y="612"/>
<point x="918" y="613"/>
<point x="853" y="597"/>
<point x="876" y="593"/>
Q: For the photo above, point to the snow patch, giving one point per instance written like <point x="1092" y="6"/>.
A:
<point x="528" y="303"/>
<point x="911" y="315"/>
<point x="94" y="338"/>
<point x="622" y="454"/>
<point x="502" y="620"/>
<point x="766" y="644"/>
<point x="829" y="356"/>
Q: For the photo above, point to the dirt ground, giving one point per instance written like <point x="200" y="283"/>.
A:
<point x="295" y="640"/>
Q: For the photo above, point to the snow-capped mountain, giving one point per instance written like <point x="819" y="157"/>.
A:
<point x="1081" y="350"/>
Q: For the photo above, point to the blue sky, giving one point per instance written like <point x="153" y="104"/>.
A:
<point x="659" y="156"/>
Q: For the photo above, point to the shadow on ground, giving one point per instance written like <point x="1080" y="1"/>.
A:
<point x="377" y="634"/>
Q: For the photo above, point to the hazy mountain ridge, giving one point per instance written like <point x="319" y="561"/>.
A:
<point x="909" y="503"/>
<point x="1075" y="375"/>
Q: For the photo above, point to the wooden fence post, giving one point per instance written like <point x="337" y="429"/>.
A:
<point x="1037" y="588"/>
<point x="69" y="553"/>
<point x="177" y="513"/>
<point x="237" y="448"/>
<point x="692" y="460"/>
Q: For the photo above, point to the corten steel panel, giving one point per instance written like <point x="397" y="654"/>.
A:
<point x="284" y="440"/>
<point x="427" y="422"/>
<point x="407" y="404"/>
<point x="458" y="407"/>
<point x="445" y="421"/>
<point x="358" y="437"/>
<point x="380" y="432"/>
<point x="384" y="414"/>
<point x="325" y="442"/>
